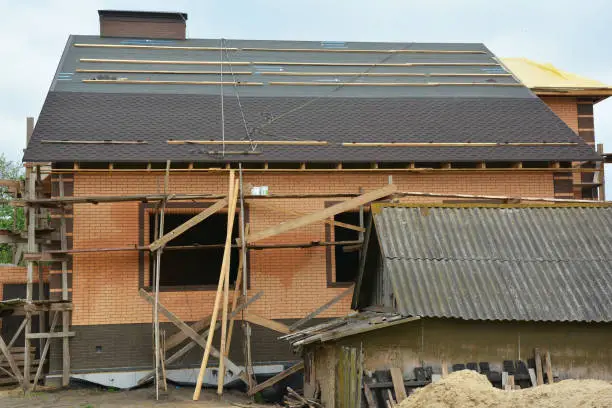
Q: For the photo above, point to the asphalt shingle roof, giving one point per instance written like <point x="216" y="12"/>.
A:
<point x="155" y="113"/>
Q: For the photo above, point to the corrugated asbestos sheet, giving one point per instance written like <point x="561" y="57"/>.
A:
<point x="153" y="91"/>
<point x="500" y="263"/>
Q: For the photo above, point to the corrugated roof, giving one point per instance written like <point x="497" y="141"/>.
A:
<point x="157" y="90"/>
<point x="499" y="262"/>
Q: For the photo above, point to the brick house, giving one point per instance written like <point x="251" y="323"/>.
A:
<point x="330" y="118"/>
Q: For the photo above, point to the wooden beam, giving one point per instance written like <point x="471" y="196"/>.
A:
<point x="158" y="71"/>
<point x="538" y="363"/>
<point x="321" y="309"/>
<point x="230" y="328"/>
<point x="65" y="313"/>
<point x="180" y="336"/>
<point x="398" y="384"/>
<point x="268" y="323"/>
<point x="188" y="224"/>
<point x="387" y="84"/>
<point x="376" y="64"/>
<point x="56" y="335"/>
<point x="222" y="277"/>
<point x="172" y="62"/>
<point x="192" y="334"/>
<point x="248" y="142"/>
<point x="377" y="74"/>
<point x="548" y="366"/>
<point x="233" y="194"/>
<point x="168" y="82"/>
<point x="96" y="142"/>
<point x="454" y="144"/>
<point x="323" y="214"/>
<point x="330" y="221"/>
<point x="280" y="376"/>
<point x="44" y="352"/>
<point x="9" y="357"/>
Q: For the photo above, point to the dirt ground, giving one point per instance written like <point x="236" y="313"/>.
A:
<point x="100" y="398"/>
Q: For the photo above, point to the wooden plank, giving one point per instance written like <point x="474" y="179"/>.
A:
<point x="230" y="328"/>
<point x="329" y="221"/>
<point x="130" y="61"/>
<point x="398" y="384"/>
<point x="268" y="323"/>
<point x="65" y="314"/>
<point x="548" y="365"/>
<point x="187" y="330"/>
<point x="532" y="377"/>
<point x="169" y="82"/>
<point x="386" y="84"/>
<point x="248" y="142"/>
<point x="56" y="335"/>
<point x="321" y="309"/>
<point x="323" y="214"/>
<point x="179" y="337"/>
<point x="185" y="349"/>
<point x="157" y="71"/>
<point x="455" y="144"/>
<point x="231" y="214"/>
<point x="222" y="277"/>
<point x="444" y="368"/>
<point x="190" y="223"/>
<point x="11" y="361"/>
<point x="368" y="395"/>
<point x="538" y="362"/>
<point x="44" y="352"/>
<point x="270" y="382"/>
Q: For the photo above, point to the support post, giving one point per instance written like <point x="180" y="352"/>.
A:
<point x="42" y="315"/>
<point x="31" y="180"/>
<point x="246" y="326"/>
<point x="65" y="314"/>
<point x="226" y="254"/>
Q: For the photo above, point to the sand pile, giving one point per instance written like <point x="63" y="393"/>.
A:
<point x="469" y="389"/>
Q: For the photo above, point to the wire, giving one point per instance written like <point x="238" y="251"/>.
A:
<point x="244" y="121"/>
<point x="337" y="88"/>
<point x="222" y="107"/>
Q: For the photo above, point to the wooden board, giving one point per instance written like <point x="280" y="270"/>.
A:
<point x="270" y="382"/>
<point x="268" y="323"/>
<point x="323" y="214"/>
<point x="538" y="362"/>
<point x="188" y="224"/>
<point x="398" y="384"/>
<point x="548" y="366"/>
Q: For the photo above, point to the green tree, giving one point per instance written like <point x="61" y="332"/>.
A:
<point x="10" y="217"/>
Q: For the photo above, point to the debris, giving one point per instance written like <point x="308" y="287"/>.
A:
<point x="295" y="400"/>
<point x="469" y="389"/>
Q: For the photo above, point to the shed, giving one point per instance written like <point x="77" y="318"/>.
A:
<point x="450" y="286"/>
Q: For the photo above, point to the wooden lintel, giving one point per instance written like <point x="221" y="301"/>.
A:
<point x="323" y="214"/>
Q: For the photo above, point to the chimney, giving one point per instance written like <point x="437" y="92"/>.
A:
<point x="142" y="24"/>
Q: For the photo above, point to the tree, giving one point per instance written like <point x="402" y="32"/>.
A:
<point x="11" y="218"/>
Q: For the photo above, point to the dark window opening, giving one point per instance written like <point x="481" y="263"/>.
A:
<point x="347" y="258"/>
<point x="189" y="267"/>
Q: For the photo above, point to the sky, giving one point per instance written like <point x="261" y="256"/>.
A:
<point x="572" y="35"/>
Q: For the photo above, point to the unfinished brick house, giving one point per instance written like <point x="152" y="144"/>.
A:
<point x="305" y="125"/>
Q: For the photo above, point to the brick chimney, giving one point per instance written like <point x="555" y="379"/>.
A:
<point x="142" y="24"/>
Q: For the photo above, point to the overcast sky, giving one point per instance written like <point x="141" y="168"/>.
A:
<point x="572" y="35"/>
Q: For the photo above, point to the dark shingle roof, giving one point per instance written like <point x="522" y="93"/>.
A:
<point x="499" y="263"/>
<point x="429" y="110"/>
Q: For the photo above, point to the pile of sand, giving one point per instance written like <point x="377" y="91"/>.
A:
<point x="469" y="389"/>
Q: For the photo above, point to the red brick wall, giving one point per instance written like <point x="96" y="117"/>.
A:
<point x="294" y="282"/>
<point x="565" y="108"/>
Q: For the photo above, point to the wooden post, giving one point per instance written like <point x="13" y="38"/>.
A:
<point x="230" y="327"/>
<point x="31" y="180"/>
<point x="65" y="314"/>
<point x="602" y="176"/>
<point x="45" y="350"/>
<point x="538" y="362"/>
<point x="549" y="373"/>
<point x="215" y="313"/>
<point x="246" y="327"/>
<point x="231" y="213"/>
<point x="157" y="279"/>
<point x="41" y="296"/>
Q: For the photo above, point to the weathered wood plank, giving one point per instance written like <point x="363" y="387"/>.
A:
<point x="398" y="384"/>
<point x="11" y="360"/>
<point x="538" y="362"/>
<point x="549" y="373"/>
<point x="323" y="214"/>
<point x="268" y="323"/>
<point x="55" y="335"/>
<point x="270" y="382"/>
<point x="45" y="350"/>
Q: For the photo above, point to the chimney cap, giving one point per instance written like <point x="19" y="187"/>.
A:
<point x="143" y="14"/>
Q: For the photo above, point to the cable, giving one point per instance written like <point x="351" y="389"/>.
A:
<point x="244" y="121"/>
<point x="222" y="108"/>
<point x="340" y="86"/>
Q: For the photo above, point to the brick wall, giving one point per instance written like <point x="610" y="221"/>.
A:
<point x="565" y="108"/>
<point x="294" y="281"/>
<point x="17" y="274"/>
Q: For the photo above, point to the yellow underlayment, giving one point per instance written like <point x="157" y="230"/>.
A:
<point x="538" y="75"/>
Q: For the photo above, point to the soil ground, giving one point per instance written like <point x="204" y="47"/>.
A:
<point x="93" y="397"/>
